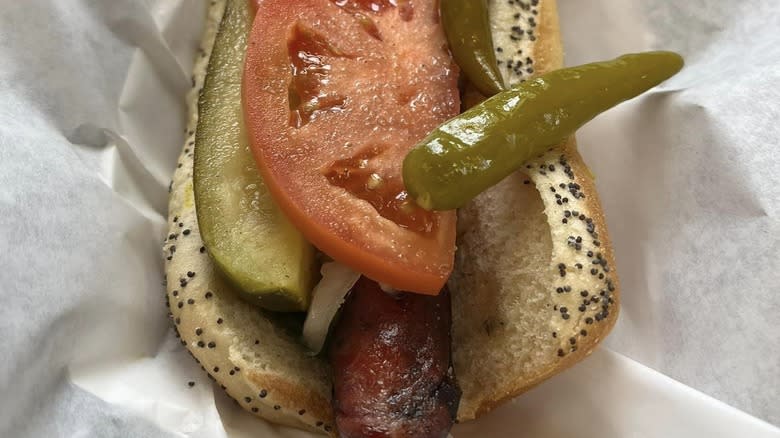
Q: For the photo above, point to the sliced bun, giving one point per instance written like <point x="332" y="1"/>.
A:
<point x="534" y="288"/>
<point x="246" y="351"/>
<point x="509" y="290"/>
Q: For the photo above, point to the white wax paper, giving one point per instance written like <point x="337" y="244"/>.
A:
<point x="91" y="121"/>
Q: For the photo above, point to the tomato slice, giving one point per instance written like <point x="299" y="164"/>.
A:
<point x="336" y="92"/>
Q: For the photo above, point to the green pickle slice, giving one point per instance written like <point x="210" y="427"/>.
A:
<point x="246" y="234"/>
<point x="474" y="151"/>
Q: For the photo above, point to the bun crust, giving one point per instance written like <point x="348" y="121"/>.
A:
<point x="529" y="249"/>
<point x="246" y="351"/>
<point x="508" y="289"/>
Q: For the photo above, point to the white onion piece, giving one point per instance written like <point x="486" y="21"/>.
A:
<point x="386" y="288"/>
<point x="328" y="296"/>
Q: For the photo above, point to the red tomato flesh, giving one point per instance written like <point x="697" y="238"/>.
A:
<point x="336" y="92"/>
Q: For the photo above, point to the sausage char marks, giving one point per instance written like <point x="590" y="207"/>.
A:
<point x="390" y="356"/>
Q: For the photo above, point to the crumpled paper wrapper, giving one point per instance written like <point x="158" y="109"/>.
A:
<point x="91" y="121"/>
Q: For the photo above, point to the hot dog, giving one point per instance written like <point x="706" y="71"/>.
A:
<point x="391" y="363"/>
<point x="533" y="289"/>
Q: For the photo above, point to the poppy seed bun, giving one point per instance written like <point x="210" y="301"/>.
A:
<point x="523" y="257"/>
<point x="253" y="358"/>
<point x="534" y="288"/>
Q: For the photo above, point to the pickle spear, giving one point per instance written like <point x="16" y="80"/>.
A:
<point x="248" y="237"/>
<point x="474" y="151"/>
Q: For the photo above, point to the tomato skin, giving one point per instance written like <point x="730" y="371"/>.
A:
<point x="376" y="93"/>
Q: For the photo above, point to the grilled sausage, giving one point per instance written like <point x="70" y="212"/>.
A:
<point x="392" y="374"/>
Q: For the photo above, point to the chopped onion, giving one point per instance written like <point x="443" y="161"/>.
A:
<point x="328" y="296"/>
<point x="386" y="288"/>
